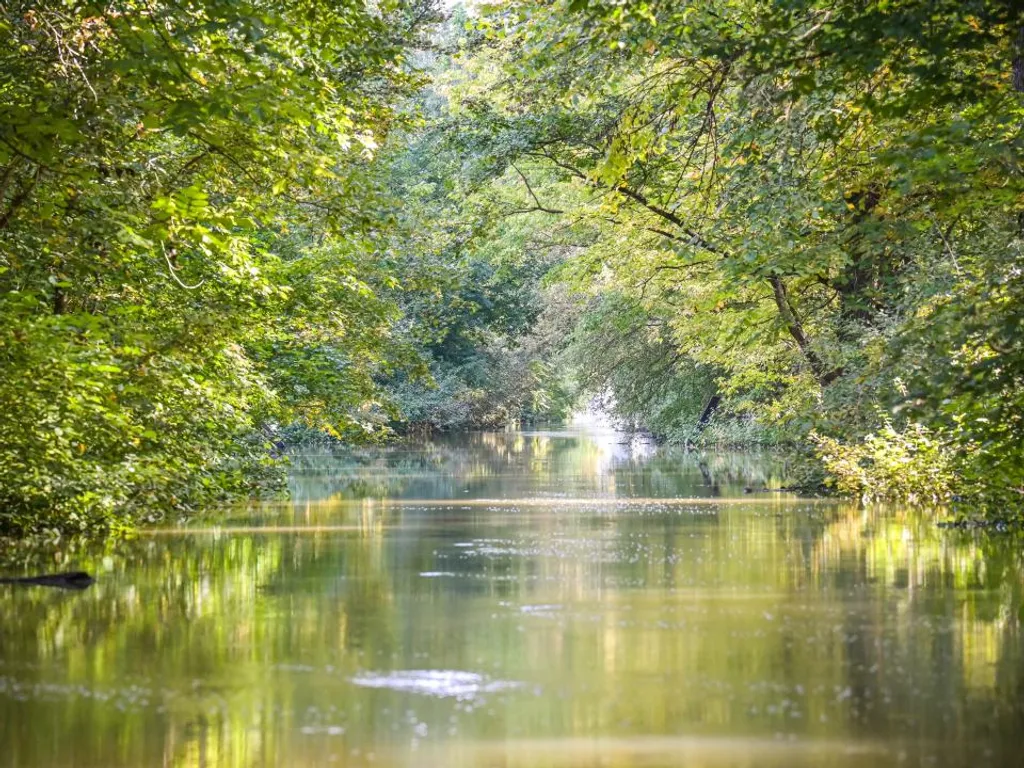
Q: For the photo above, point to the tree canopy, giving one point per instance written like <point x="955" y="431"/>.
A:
<point x="781" y="221"/>
<point x="190" y="226"/>
<point x="819" y="203"/>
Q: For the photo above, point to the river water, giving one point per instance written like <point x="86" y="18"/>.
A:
<point x="546" y="599"/>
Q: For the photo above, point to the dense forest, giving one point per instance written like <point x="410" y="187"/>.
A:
<point x="230" y="225"/>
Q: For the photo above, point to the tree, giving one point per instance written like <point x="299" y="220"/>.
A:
<point x="189" y="220"/>
<point x="810" y="193"/>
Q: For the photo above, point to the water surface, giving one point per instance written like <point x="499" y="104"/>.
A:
<point x="547" y="598"/>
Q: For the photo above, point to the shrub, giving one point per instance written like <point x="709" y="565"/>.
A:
<point x="915" y="465"/>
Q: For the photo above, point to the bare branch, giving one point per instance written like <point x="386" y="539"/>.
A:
<point x="539" y="206"/>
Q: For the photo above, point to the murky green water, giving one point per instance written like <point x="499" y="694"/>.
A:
<point x="547" y="599"/>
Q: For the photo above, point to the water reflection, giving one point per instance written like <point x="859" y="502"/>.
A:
<point x="425" y="629"/>
<point x="544" y="463"/>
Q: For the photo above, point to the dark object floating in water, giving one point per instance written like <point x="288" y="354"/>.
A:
<point x="70" y="580"/>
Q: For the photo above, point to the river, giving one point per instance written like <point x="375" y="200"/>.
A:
<point x="538" y="599"/>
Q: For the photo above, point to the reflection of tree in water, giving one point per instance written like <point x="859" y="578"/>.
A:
<point x="427" y="469"/>
<point x="722" y="619"/>
<point x="676" y="472"/>
<point x="220" y="619"/>
<point x="945" y="617"/>
<point x="494" y="465"/>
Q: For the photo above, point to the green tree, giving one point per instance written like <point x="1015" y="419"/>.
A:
<point x="189" y="227"/>
<point x="822" y="200"/>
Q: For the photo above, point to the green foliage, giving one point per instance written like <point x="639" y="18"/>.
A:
<point x="189" y="226"/>
<point x="619" y="350"/>
<point x="475" y="307"/>
<point x="819" y="204"/>
<point x="913" y="465"/>
<point x="225" y="222"/>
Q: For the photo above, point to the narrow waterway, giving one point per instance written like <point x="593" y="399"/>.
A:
<point x="535" y="599"/>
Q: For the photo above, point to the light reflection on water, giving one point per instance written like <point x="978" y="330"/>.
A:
<point x="540" y="598"/>
<point x="443" y="683"/>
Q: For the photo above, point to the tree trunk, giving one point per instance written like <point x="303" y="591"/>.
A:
<point x="1018" y="86"/>
<point x="796" y="330"/>
<point x="1018" y="62"/>
<point x="708" y="412"/>
<point x="70" y="580"/>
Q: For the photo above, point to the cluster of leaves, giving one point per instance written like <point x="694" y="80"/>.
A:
<point x="913" y="466"/>
<point x="190" y="227"/>
<point x="751" y="217"/>
<point x="619" y="351"/>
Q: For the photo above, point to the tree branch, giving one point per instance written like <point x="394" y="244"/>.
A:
<point x="539" y="206"/>
<point x="692" y="237"/>
<point x="796" y="330"/>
